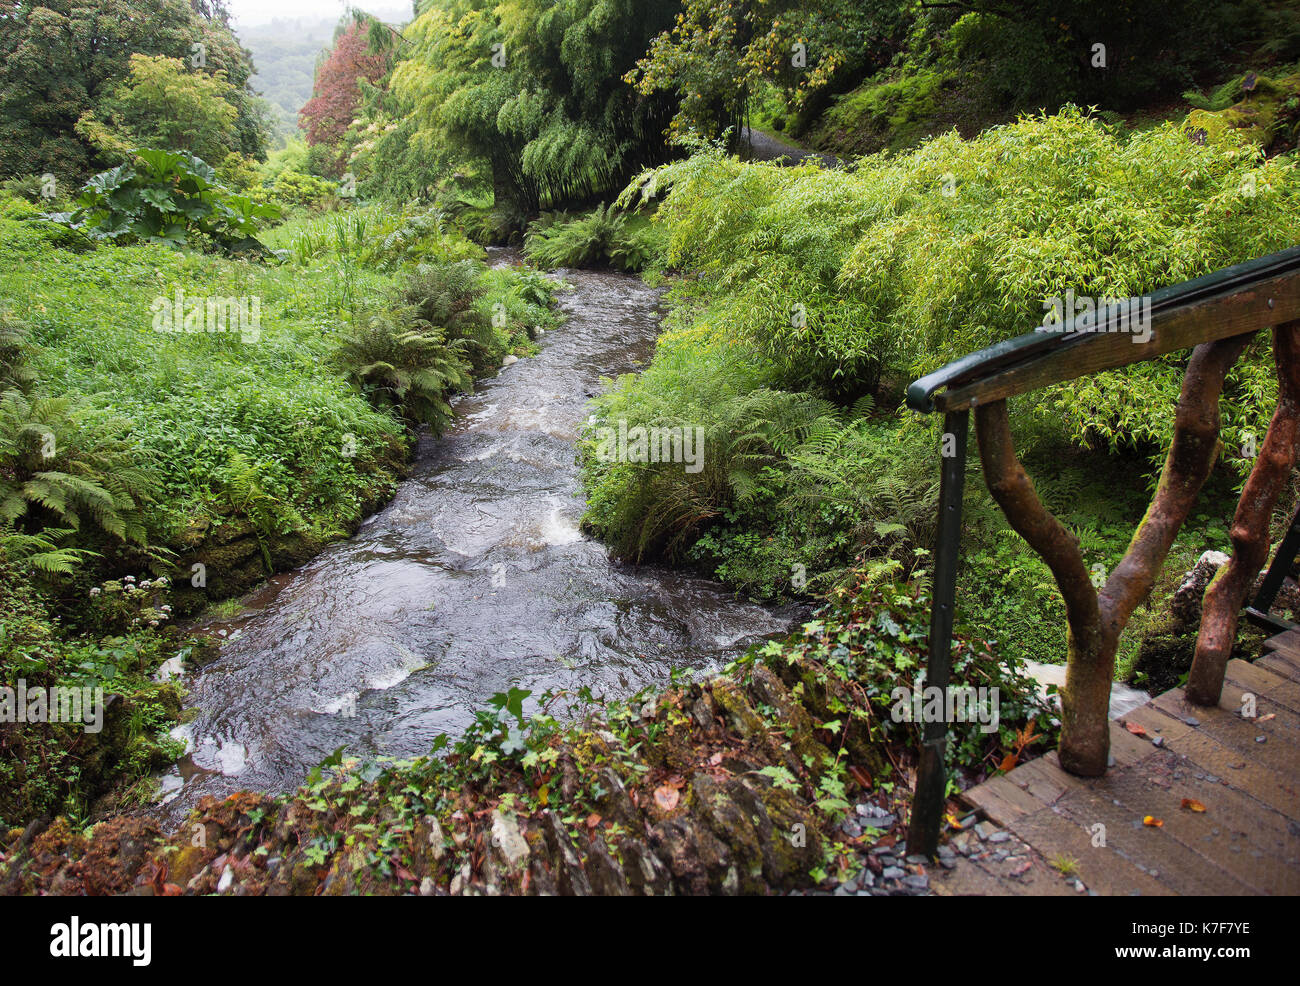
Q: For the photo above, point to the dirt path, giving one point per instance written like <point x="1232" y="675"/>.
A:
<point x="765" y="147"/>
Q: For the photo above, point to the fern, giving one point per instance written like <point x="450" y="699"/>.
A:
<point x="1219" y="99"/>
<point x="556" y="241"/>
<point x="445" y="295"/>
<point x="42" y="551"/>
<point x="15" y="374"/>
<point x="407" y="370"/>
<point x="63" y="463"/>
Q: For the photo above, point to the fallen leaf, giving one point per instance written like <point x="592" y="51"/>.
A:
<point x="1191" y="804"/>
<point x="404" y="874"/>
<point x="1152" y="822"/>
<point x="544" y="794"/>
<point x="1135" y="729"/>
<point x="593" y="820"/>
<point x="861" y="776"/>
<point x="716" y="759"/>
<point x="1271" y="715"/>
<point x="1008" y="761"/>
<point x="666" y="797"/>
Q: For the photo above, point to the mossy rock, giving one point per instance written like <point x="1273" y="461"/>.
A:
<point x="1255" y="118"/>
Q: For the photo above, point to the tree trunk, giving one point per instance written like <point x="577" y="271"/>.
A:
<point x="1250" y="526"/>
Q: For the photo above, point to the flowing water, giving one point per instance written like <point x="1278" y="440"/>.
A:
<point x="473" y="580"/>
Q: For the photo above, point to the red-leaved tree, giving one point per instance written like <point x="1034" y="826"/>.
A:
<point x="336" y="92"/>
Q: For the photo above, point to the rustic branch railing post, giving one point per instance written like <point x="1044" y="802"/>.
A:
<point x="1250" y="526"/>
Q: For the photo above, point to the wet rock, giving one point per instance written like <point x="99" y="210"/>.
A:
<point x="740" y="715"/>
<point x="117" y="850"/>
<point x="184" y="864"/>
<point x="1185" y="606"/>
<point x="789" y="838"/>
<point x="769" y="690"/>
<point x="607" y="878"/>
<point x="617" y="803"/>
<point x="568" y="778"/>
<point x="540" y="881"/>
<point x="696" y="859"/>
<point x="702" y="712"/>
<point x="1257" y="117"/>
<point x="645" y="874"/>
<point x="720" y="807"/>
<point x="508" y="844"/>
<point x="570" y="878"/>
<point x="435" y="837"/>
<point x="460" y="882"/>
<point x="1168" y="644"/>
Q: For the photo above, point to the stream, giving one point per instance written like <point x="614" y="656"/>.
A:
<point x="474" y="579"/>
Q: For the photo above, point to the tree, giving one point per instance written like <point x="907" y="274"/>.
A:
<point x="1097" y="617"/>
<point x="60" y="58"/>
<point x="717" y="50"/>
<point x="1250" y="533"/>
<point x="162" y="104"/>
<point x="336" y="92"/>
<point x="1115" y="54"/>
<point x="531" y="93"/>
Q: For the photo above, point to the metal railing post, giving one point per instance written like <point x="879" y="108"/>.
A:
<point x="932" y="775"/>
<point x="1273" y="579"/>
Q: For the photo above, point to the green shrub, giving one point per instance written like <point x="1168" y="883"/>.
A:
<point x="15" y="373"/>
<point x="845" y="279"/>
<point x="166" y="197"/>
<point x="296" y="188"/>
<point x="63" y="464"/>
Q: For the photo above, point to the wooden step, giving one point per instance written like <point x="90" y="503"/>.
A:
<point x="1287" y="642"/>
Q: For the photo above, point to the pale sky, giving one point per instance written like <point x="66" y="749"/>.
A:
<point x="250" y="12"/>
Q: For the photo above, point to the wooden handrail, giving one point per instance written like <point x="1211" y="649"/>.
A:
<point x="1228" y="304"/>
<point x="1237" y="299"/>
